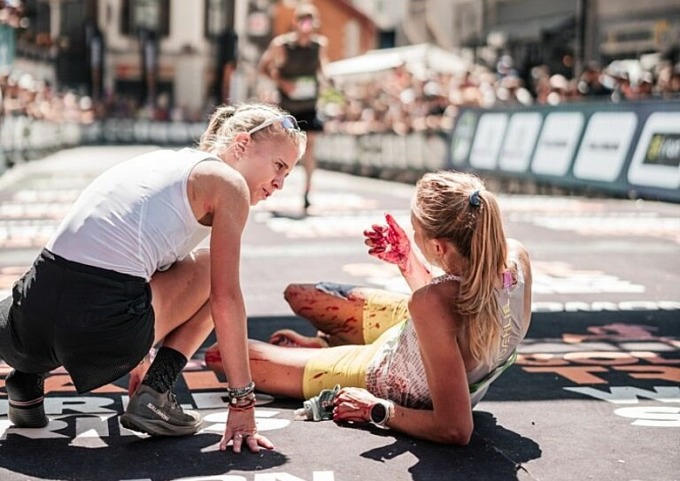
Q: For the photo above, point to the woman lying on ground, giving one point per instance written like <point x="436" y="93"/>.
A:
<point x="417" y="364"/>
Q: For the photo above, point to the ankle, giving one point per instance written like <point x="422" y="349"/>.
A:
<point x="25" y="386"/>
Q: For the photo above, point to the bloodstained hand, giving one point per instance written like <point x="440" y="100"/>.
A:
<point x="389" y="243"/>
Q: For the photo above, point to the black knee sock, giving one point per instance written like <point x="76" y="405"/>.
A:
<point x="166" y="368"/>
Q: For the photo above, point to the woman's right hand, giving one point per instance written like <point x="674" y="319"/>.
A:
<point x="389" y="243"/>
<point x="241" y="431"/>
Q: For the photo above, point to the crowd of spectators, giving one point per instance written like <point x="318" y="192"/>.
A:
<point x="396" y="101"/>
<point x="25" y="96"/>
<point x="399" y="101"/>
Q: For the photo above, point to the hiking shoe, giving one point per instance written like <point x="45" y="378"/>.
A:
<point x="26" y="393"/>
<point x="159" y="414"/>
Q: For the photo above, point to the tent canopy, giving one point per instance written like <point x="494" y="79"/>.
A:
<point x="419" y="59"/>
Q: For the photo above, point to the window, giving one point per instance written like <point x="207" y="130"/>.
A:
<point x="219" y="17"/>
<point x="152" y="15"/>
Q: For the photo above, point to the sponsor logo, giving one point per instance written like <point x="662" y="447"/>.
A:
<point x="663" y="149"/>
<point x="157" y="412"/>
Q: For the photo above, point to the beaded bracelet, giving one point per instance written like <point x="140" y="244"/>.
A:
<point x="234" y="394"/>
<point x="243" y="407"/>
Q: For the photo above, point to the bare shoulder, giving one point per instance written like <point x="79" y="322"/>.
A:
<point x="280" y="40"/>
<point x="517" y="250"/>
<point x="219" y="172"/>
<point x="434" y="300"/>
<point x="321" y="39"/>
<point x="214" y="184"/>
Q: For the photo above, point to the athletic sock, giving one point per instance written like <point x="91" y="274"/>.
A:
<point x="26" y="385"/>
<point x="165" y="369"/>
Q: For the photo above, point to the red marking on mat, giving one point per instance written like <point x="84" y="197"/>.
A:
<point x="613" y="332"/>
<point x="202" y="380"/>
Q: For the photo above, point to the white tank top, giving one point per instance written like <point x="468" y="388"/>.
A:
<point x="135" y="218"/>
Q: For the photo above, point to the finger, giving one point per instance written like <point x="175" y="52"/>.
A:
<point x="263" y="442"/>
<point x="255" y="442"/>
<point x="238" y="441"/>
<point x="392" y="222"/>
<point x="223" y="443"/>
<point x="252" y="443"/>
<point x="379" y="229"/>
<point x="280" y="340"/>
<point x="275" y="339"/>
<point x="347" y="417"/>
<point x="376" y="239"/>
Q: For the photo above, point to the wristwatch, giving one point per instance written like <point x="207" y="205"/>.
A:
<point x="381" y="412"/>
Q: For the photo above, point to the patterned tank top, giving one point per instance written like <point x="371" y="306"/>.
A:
<point x="397" y="373"/>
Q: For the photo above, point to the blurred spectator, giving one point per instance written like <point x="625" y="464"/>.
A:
<point x="397" y="100"/>
<point x="590" y="83"/>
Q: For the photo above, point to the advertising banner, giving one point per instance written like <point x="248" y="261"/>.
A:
<point x="627" y="149"/>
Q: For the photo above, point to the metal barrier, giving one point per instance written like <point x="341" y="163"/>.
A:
<point x="626" y="149"/>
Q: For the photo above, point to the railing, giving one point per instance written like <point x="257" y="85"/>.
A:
<point x="626" y="150"/>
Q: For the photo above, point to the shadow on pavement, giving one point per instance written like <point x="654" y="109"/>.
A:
<point x="582" y="379"/>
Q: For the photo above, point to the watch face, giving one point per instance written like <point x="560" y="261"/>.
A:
<point x="378" y="413"/>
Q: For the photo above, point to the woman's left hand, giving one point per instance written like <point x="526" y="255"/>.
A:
<point x="353" y="404"/>
<point x="241" y="431"/>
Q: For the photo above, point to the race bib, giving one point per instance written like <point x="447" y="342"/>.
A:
<point x="304" y="88"/>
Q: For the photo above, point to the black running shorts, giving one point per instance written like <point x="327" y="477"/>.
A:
<point x="96" y="323"/>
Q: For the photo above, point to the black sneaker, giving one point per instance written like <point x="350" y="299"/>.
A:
<point x="159" y="414"/>
<point x="26" y="393"/>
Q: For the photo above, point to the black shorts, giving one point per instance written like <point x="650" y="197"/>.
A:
<point x="309" y="121"/>
<point x="96" y="323"/>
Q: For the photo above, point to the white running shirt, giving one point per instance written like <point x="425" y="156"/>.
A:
<point x="135" y="218"/>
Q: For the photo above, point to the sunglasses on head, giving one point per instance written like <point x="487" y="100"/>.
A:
<point x="288" y="122"/>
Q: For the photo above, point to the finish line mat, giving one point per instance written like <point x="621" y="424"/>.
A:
<point x="592" y="396"/>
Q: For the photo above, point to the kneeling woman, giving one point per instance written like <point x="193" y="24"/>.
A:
<point x="417" y="364"/>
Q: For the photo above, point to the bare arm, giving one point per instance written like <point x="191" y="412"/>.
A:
<point x="271" y="59"/>
<point x="391" y="244"/>
<point x="323" y="62"/>
<point x="414" y="272"/>
<point x="518" y="251"/>
<point x="450" y="419"/>
<point x="227" y="197"/>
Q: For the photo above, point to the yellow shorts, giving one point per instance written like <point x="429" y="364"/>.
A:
<point x="346" y="365"/>
<point x="382" y="310"/>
